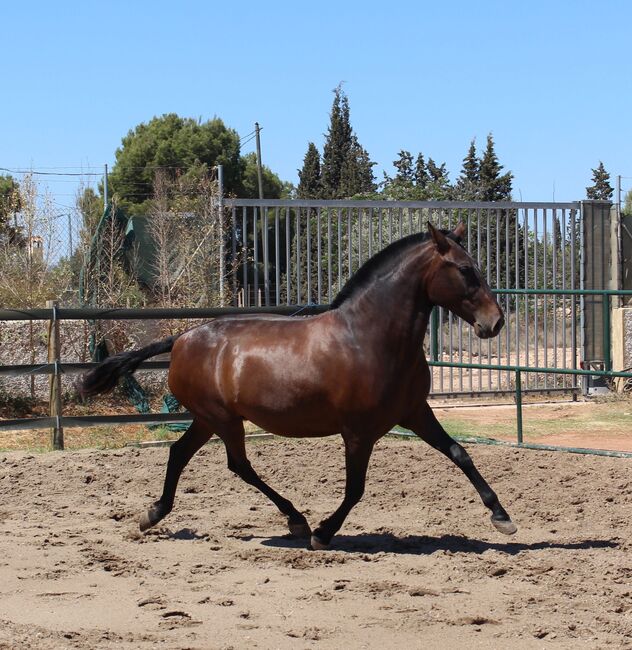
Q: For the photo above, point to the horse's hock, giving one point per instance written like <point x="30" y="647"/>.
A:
<point x="622" y="345"/>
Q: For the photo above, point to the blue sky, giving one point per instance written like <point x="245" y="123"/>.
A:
<point x="551" y="81"/>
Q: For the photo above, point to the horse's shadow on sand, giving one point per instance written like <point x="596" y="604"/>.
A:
<point x="371" y="543"/>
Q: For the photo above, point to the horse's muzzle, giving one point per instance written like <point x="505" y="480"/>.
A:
<point x="489" y="330"/>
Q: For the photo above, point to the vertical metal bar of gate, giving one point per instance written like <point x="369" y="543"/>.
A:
<point x="308" y="253"/>
<point x="277" y="259"/>
<point x="507" y="297"/>
<point x="266" y="255"/>
<point x="554" y="241"/>
<point x="288" y="260"/>
<point x="255" y="272"/>
<point x="536" y="347"/>
<point x="298" y="255"/>
<point x="470" y="373"/>
<point x="526" y="297"/>
<point x="329" y="260"/>
<point x="573" y="286"/>
<point x="244" y="237"/>
<point x="544" y="297"/>
<point x="233" y="237"/>
<point x="319" y="258"/>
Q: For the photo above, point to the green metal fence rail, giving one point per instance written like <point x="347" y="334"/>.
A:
<point x="56" y="367"/>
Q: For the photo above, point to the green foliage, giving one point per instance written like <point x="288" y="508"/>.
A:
<point x="627" y="206"/>
<point x="186" y="150"/>
<point x="10" y="204"/>
<point x="422" y="182"/>
<point x="273" y="187"/>
<point x="600" y="190"/>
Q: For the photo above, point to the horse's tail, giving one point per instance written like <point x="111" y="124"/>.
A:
<point x="105" y="376"/>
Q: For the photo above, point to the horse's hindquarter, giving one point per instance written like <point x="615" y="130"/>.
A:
<point x="298" y="377"/>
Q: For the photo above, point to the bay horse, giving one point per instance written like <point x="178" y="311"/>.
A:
<point x="356" y="370"/>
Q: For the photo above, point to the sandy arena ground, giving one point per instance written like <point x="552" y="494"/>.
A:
<point x="417" y="564"/>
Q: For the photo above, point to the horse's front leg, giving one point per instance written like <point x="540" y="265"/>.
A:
<point x="357" y="454"/>
<point x="427" y="427"/>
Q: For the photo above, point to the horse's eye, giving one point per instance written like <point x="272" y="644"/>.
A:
<point x="470" y="276"/>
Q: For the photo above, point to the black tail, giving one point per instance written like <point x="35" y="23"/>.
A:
<point x="106" y="375"/>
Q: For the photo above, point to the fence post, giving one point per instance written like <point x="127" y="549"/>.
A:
<point x="519" y="405"/>
<point x="434" y="334"/>
<point x="607" y="334"/>
<point x="55" y="404"/>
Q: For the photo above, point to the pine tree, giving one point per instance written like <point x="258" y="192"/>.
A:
<point x="421" y="173"/>
<point x="401" y="186"/>
<point x="600" y="190"/>
<point x="404" y="167"/>
<point x="438" y="187"/>
<point x="310" y="178"/>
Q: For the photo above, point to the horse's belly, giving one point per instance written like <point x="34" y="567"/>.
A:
<point x="297" y="420"/>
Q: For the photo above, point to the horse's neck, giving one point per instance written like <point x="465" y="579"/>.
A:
<point x="395" y="311"/>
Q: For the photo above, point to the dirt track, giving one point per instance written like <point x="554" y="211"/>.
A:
<point x="416" y="565"/>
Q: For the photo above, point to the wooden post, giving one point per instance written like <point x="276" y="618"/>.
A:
<point x="54" y="351"/>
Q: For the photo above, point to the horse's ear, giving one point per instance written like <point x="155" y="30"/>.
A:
<point x="459" y="231"/>
<point x="440" y="240"/>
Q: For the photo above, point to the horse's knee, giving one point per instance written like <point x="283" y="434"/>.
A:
<point x="460" y="457"/>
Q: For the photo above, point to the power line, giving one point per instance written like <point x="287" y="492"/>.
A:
<point x="40" y="173"/>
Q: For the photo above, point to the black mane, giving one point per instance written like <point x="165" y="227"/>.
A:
<point x="364" y="275"/>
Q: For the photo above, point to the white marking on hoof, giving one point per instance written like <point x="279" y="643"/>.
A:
<point x="505" y="527"/>
<point x="300" y="530"/>
<point x="145" y="522"/>
<point x="317" y="545"/>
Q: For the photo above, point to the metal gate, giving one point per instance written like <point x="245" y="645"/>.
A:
<point x="302" y="252"/>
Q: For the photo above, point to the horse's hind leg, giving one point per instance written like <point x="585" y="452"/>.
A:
<point x="428" y="428"/>
<point x="180" y="454"/>
<point x="238" y="463"/>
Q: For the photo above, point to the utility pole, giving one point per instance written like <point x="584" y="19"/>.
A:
<point x="105" y="188"/>
<point x="259" y="166"/>
<point x="619" y="195"/>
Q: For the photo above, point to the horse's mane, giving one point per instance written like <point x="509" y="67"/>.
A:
<point x="366" y="273"/>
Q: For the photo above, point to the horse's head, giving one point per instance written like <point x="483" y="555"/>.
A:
<point x="456" y="283"/>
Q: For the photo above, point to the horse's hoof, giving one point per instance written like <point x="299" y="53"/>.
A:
<point x="317" y="545"/>
<point x="147" y="520"/>
<point x="506" y="527"/>
<point x="300" y="530"/>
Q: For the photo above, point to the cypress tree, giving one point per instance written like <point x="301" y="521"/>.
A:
<point x="310" y="184"/>
<point x="467" y="185"/>
<point x="346" y="168"/>
<point x="493" y="185"/>
<point x="356" y="176"/>
<point x="337" y="144"/>
<point x="601" y="189"/>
